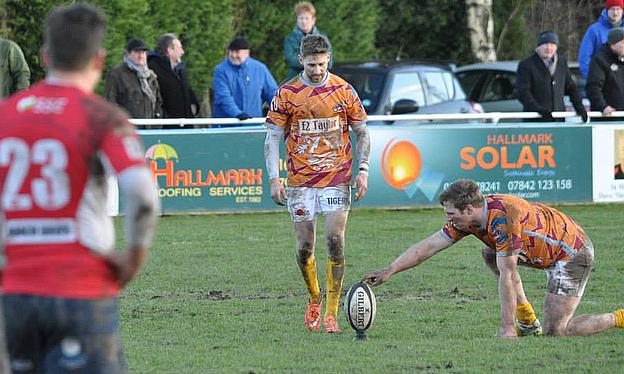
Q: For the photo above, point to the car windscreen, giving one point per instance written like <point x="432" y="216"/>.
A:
<point x="368" y="85"/>
<point x="469" y="81"/>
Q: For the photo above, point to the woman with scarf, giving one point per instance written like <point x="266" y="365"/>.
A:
<point x="306" y="19"/>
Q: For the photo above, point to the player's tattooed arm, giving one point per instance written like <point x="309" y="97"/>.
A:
<point x="362" y="150"/>
<point x="362" y="145"/>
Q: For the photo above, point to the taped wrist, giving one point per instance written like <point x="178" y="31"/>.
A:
<point x="271" y="152"/>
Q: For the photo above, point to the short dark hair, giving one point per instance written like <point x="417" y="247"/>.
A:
<point x="461" y="193"/>
<point x="165" y="41"/>
<point x="314" y="44"/>
<point x="74" y="34"/>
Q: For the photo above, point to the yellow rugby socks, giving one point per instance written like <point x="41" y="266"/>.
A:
<point x="525" y="313"/>
<point x="334" y="275"/>
<point x="309" y="277"/>
<point x="619" y="318"/>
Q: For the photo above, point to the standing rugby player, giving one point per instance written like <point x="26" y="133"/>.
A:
<point x="314" y="113"/>
<point x="58" y="144"/>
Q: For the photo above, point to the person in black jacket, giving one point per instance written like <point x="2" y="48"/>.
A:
<point x="605" y="82"/>
<point x="544" y="78"/>
<point x="179" y="100"/>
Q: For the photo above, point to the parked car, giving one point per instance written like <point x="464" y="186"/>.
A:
<point x="406" y="87"/>
<point x="493" y="85"/>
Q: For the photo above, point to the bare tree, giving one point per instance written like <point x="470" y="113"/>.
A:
<point x="503" y="32"/>
<point x="569" y="19"/>
<point x="481" y="29"/>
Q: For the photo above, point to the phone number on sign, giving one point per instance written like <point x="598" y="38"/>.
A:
<point x="488" y="187"/>
<point x="539" y="185"/>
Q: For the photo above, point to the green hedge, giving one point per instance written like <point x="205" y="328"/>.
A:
<point x="358" y="29"/>
<point x="205" y="28"/>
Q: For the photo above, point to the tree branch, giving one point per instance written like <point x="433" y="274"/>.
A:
<point x="513" y="14"/>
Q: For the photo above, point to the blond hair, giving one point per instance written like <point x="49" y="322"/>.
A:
<point x="305" y="7"/>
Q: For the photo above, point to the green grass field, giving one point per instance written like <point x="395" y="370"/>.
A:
<point x="222" y="293"/>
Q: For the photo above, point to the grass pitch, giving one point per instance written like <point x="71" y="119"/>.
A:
<point x="223" y="294"/>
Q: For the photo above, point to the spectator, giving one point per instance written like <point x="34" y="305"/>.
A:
<point x="605" y="84"/>
<point x="618" y="170"/>
<point x="306" y="19"/>
<point x="596" y="35"/>
<point x="59" y="143"/>
<point x="241" y="84"/>
<point x="133" y="86"/>
<point x="14" y="71"/>
<point x="179" y="100"/>
<point x="544" y="78"/>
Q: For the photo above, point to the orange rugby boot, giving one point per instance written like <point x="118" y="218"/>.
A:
<point x="330" y="325"/>
<point x="313" y="315"/>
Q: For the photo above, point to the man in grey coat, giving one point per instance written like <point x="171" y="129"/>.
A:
<point x="133" y="86"/>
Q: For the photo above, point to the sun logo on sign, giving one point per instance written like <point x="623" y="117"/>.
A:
<point x="401" y="163"/>
<point x="402" y="168"/>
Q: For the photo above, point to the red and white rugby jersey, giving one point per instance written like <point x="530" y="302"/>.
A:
<point x="315" y="119"/>
<point x="57" y="145"/>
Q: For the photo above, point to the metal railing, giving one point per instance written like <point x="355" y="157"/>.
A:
<point x="494" y="118"/>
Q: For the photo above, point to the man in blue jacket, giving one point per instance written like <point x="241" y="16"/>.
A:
<point x="596" y="35"/>
<point x="241" y="84"/>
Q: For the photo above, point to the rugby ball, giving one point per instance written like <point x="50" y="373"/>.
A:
<point x="360" y="307"/>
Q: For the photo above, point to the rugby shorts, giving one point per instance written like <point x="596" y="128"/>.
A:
<point x="305" y="202"/>
<point x="569" y="277"/>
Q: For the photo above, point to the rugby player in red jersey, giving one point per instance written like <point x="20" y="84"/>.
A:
<point x="58" y="144"/>
<point x="314" y="113"/>
<point x="517" y="231"/>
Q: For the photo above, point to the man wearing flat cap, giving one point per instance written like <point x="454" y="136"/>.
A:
<point x="605" y="83"/>
<point x="543" y="80"/>
<point x="241" y="84"/>
<point x="132" y="85"/>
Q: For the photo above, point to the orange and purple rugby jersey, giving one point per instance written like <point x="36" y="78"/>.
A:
<point x="315" y="119"/>
<point x="539" y="234"/>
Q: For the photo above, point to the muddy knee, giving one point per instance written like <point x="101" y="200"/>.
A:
<point x="305" y="250"/>
<point x="335" y="246"/>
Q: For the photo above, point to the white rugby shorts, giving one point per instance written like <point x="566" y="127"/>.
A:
<point x="305" y="202"/>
